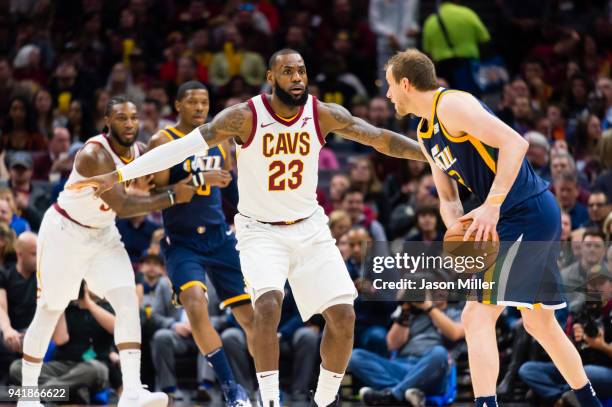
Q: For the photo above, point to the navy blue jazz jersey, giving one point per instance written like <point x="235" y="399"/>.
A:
<point x="198" y="241"/>
<point x="472" y="163"/>
<point x="527" y="274"/>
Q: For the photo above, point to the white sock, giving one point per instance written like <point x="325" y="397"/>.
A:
<point x="130" y="368"/>
<point x="269" y="388"/>
<point x="327" y="387"/>
<point x="30" y="373"/>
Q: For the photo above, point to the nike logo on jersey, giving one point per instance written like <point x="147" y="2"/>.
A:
<point x="305" y="121"/>
<point x="228" y="232"/>
<point x="266" y="125"/>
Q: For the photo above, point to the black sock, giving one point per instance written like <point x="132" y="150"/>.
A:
<point x="489" y="401"/>
<point x="587" y="397"/>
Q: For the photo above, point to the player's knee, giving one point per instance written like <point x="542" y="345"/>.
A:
<point x="539" y="325"/>
<point x="162" y="338"/>
<point x="194" y="301"/>
<point x="15" y="372"/>
<point x="476" y="315"/>
<point x="268" y="308"/>
<point x="341" y="320"/>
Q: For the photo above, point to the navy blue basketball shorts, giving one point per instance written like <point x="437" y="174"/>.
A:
<point x="526" y="273"/>
<point x="190" y="259"/>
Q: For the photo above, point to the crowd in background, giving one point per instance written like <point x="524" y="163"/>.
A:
<point x="543" y="67"/>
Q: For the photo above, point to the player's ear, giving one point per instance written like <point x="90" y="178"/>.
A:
<point x="269" y="76"/>
<point x="177" y="106"/>
<point x="405" y="83"/>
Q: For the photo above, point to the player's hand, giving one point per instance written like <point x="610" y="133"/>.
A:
<point x="184" y="190"/>
<point x="484" y="223"/>
<point x="13" y="338"/>
<point x="144" y="184"/>
<point x="86" y="302"/>
<point x="597" y="342"/>
<point x="182" y="329"/>
<point x="100" y="183"/>
<point x="218" y="178"/>
<point x="423" y="305"/>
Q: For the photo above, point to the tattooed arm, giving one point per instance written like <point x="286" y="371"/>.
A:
<point x="235" y="121"/>
<point x="335" y="118"/>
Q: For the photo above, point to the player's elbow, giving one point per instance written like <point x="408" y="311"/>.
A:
<point x="522" y="145"/>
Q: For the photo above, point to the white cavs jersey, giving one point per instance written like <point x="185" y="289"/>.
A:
<point x="82" y="206"/>
<point x="278" y="165"/>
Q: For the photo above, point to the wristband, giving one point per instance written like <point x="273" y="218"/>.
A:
<point x="171" y="196"/>
<point x="428" y="310"/>
<point x="496" y="199"/>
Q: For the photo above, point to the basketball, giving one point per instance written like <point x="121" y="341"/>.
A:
<point x="483" y="254"/>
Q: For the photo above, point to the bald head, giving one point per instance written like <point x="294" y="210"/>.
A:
<point x="25" y="248"/>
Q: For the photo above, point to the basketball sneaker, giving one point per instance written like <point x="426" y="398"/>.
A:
<point x="142" y="397"/>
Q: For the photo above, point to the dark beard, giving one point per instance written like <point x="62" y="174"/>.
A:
<point x="288" y="99"/>
<point x="112" y="133"/>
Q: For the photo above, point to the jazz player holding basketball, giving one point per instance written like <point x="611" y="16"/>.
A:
<point x="282" y="232"/>
<point x="79" y="240"/>
<point x="198" y="241"/>
<point x="465" y="143"/>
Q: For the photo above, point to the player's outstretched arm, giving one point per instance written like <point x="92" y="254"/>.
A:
<point x="235" y="121"/>
<point x="94" y="160"/>
<point x="335" y="118"/>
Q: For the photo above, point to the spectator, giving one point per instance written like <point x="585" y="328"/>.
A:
<point x="68" y="85"/>
<point x="588" y="137"/>
<point x="566" y="190"/>
<point x="422" y="192"/>
<point x="338" y="185"/>
<point x="339" y="223"/>
<point x="379" y="113"/>
<point x="533" y="72"/>
<point x="151" y="121"/>
<point x="101" y="99"/>
<point x="396" y="25"/>
<point x="452" y="56"/>
<point x="151" y="267"/>
<point x="19" y="132"/>
<point x="17" y="299"/>
<point x="86" y="325"/>
<point x="418" y="335"/>
<point x="78" y="121"/>
<point x="592" y="335"/>
<point x="327" y="159"/>
<point x="32" y="199"/>
<point x="523" y="114"/>
<point x="555" y="115"/>
<point x="43" y="112"/>
<point x="427" y="224"/>
<point x="7" y="245"/>
<point x="299" y="342"/>
<point x="9" y="87"/>
<point x="537" y="153"/>
<point x="233" y="60"/>
<point x="372" y="317"/>
<point x="120" y="83"/>
<point x="604" y="85"/>
<point x="55" y="163"/>
<point x="344" y="246"/>
<point x="8" y="212"/>
<point x="592" y="253"/>
<point x="353" y="204"/>
<point x="363" y="176"/>
<point x="599" y="208"/>
<point x="136" y="234"/>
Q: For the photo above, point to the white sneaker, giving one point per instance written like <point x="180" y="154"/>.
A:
<point x="141" y="397"/>
<point x="415" y="397"/>
<point x="29" y="403"/>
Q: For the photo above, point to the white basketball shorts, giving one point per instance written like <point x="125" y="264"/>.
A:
<point x="67" y="253"/>
<point x="304" y="253"/>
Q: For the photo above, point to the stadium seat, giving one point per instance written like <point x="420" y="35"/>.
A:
<point x="50" y="351"/>
<point x="450" y="392"/>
